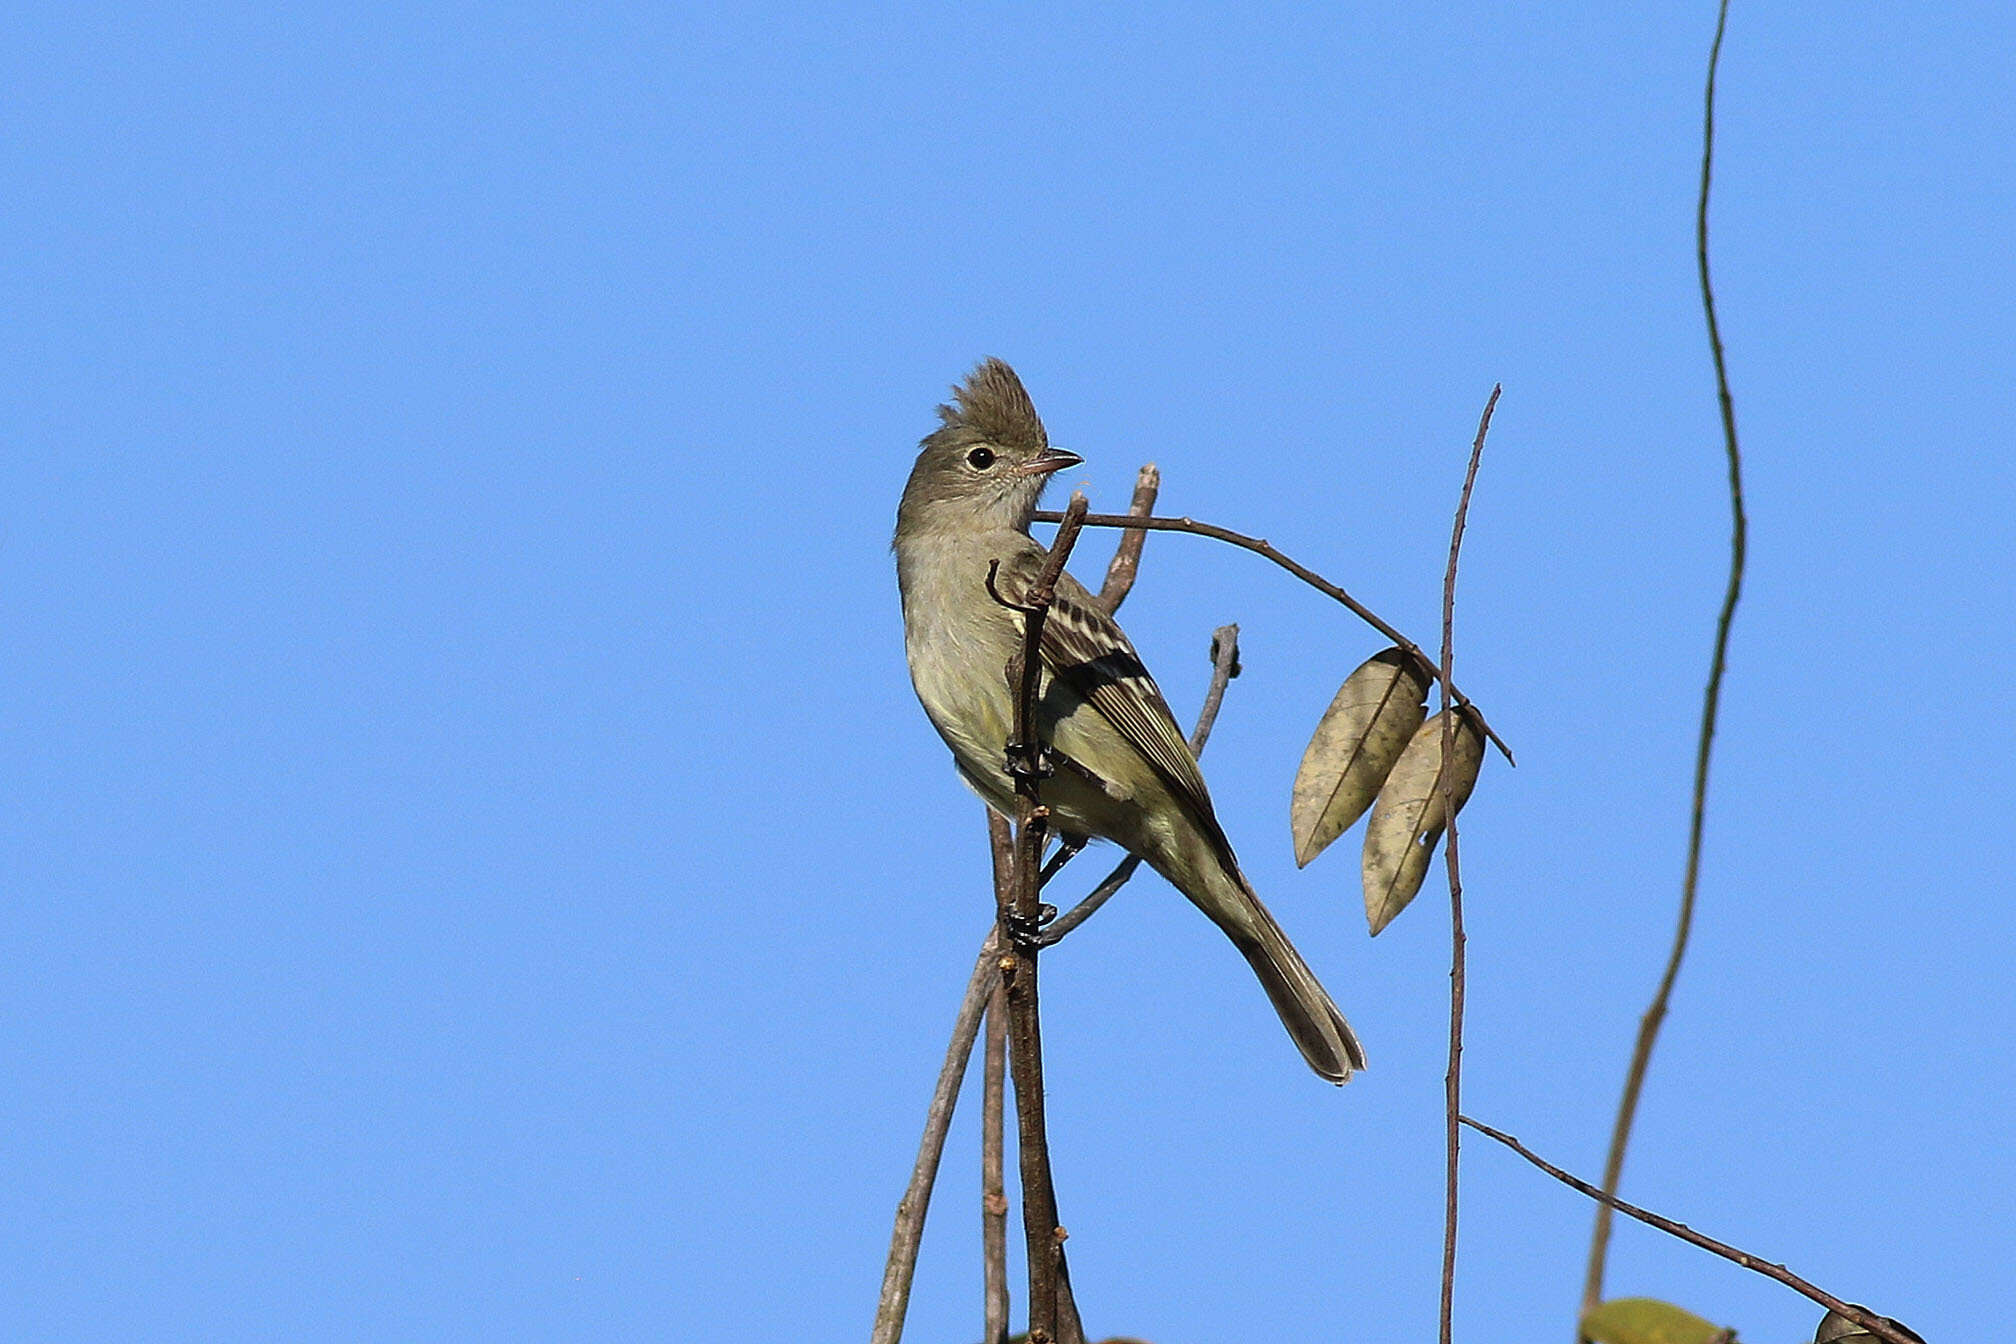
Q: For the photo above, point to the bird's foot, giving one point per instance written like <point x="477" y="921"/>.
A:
<point x="1030" y="760"/>
<point x="1025" y="931"/>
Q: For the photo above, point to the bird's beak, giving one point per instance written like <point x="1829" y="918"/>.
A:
<point x="1049" y="460"/>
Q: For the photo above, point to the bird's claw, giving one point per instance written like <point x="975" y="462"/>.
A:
<point x="1030" y="760"/>
<point x="1027" y="929"/>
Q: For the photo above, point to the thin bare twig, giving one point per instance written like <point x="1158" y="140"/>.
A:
<point x="1655" y="1014"/>
<point x="1300" y="571"/>
<point x="1880" y="1326"/>
<point x="1126" y="566"/>
<point x="1108" y="887"/>
<point x="1224" y="667"/>
<point x="908" y="1235"/>
<point x="1452" y="1081"/>
<point x="993" y="1090"/>
<point x="1035" y="609"/>
<point x="993" y="1187"/>
<point x="1069" y="847"/>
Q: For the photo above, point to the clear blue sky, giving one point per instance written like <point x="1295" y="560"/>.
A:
<point x="475" y="868"/>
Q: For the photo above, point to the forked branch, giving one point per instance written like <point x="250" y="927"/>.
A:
<point x="907" y="1237"/>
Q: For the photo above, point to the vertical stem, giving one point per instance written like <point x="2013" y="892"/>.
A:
<point x="1655" y="1014"/>
<point x="1452" y="1081"/>
<point x="1039" y="1197"/>
<point x="1452" y="1085"/>
<point x="1048" y="1294"/>
<point x="993" y="1185"/>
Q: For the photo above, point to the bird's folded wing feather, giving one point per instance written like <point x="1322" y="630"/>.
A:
<point x="1087" y="650"/>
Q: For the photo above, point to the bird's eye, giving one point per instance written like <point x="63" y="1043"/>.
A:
<point x="980" y="458"/>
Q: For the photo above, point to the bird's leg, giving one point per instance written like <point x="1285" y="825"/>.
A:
<point x="1089" y="775"/>
<point x="1068" y="846"/>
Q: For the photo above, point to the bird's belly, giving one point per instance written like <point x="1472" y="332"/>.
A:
<point x="964" y="689"/>
<point x="963" y="684"/>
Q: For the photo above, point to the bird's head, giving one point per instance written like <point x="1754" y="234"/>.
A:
<point x="986" y="464"/>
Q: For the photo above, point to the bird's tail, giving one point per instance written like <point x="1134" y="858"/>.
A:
<point x="1217" y="887"/>
<point x="1319" y="1030"/>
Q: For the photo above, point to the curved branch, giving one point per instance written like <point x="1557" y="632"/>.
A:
<point x="1880" y="1326"/>
<point x="1655" y="1013"/>
<point x="908" y="1234"/>
<point x="1301" y="571"/>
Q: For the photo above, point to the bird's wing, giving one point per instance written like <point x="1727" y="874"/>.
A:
<point x="1086" y="649"/>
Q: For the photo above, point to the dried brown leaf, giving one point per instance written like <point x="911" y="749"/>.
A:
<point x="1354" y="748"/>
<point x="1407" y="816"/>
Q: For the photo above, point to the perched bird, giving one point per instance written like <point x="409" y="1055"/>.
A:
<point x="1127" y="774"/>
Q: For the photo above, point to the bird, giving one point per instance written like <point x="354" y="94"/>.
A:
<point x="1126" y="774"/>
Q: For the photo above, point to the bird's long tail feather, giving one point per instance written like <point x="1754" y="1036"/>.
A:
<point x="1319" y="1030"/>
<point x="1210" y="877"/>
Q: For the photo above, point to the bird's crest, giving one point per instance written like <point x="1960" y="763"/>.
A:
<point x="993" y="406"/>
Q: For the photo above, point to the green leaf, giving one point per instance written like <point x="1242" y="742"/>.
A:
<point x="1355" y="745"/>
<point x="1407" y="817"/>
<point x="1647" y="1320"/>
